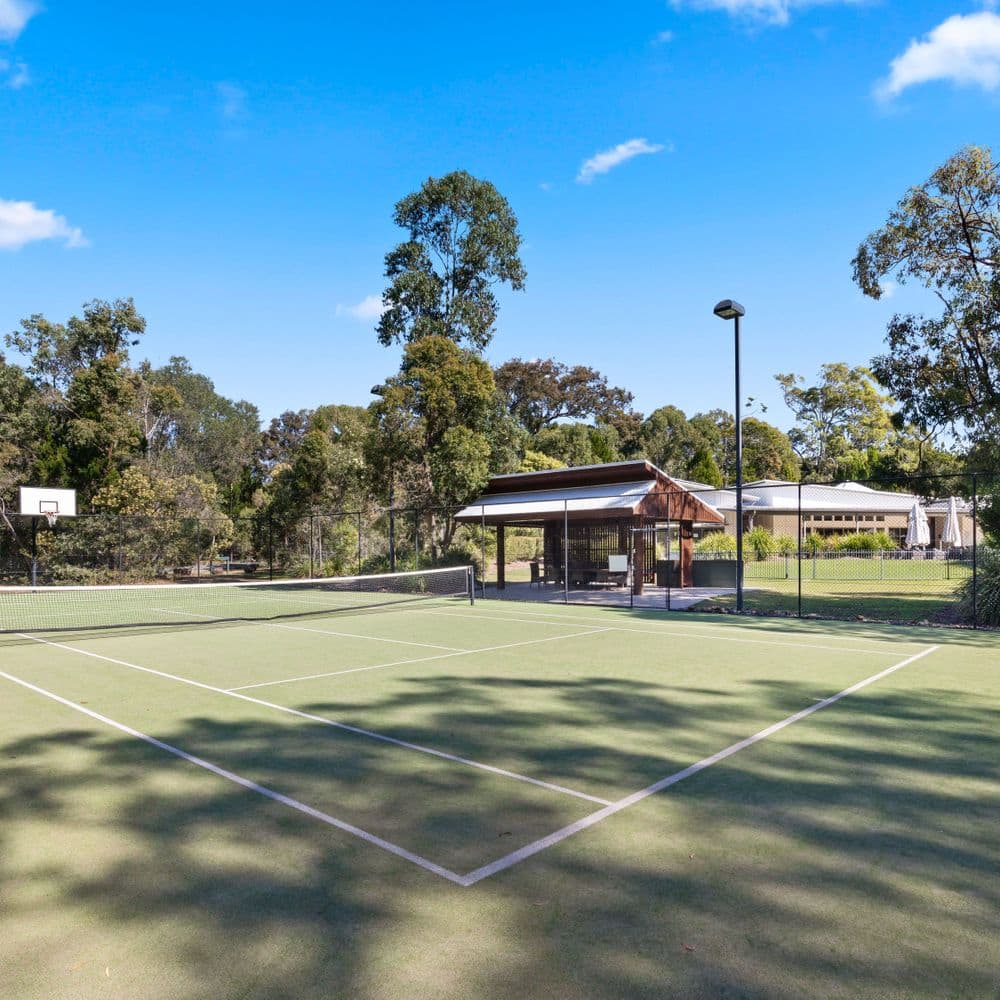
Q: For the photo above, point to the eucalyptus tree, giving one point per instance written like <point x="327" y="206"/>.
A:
<point x="944" y="234"/>
<point x="463" y="241"/>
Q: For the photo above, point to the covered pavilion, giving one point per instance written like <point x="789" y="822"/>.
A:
<point x="595" y="519"/>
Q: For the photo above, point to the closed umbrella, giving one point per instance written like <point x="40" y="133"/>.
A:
<point x="951" y="536"/>
<point x="918" y="531"/>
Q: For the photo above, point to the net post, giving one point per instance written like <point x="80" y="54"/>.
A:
<point x="360" y="534"/>
<point x="471" y="575"/>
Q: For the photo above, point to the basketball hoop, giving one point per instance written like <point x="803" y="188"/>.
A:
<point x="51" y="516"/>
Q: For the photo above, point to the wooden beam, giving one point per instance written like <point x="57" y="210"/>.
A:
<point x="685" y="569"/>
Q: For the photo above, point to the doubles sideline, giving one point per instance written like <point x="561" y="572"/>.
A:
<point x="515" y="857"/>
<point x="333" y="723"/>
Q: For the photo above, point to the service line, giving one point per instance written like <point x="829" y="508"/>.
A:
<point x="323" y="720"/>
<point x="523" y="853"/>
<point x="253" y="786"/>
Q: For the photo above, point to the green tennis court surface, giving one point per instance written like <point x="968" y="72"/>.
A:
<point x="438" y="800"/>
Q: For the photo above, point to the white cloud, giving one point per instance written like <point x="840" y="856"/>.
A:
<point x="14" y="15"/>
<point x="769" y="11"/>
<point x="964" y="49"/>
<point x="232" y="100"/>
<point x="21" y="222"/>
<point x="370" y="307"/>
<point x="13" y="74"/>
<point x="663" y="37"/>
<point x="608" y="159"/>
<point x="888" y="288"/>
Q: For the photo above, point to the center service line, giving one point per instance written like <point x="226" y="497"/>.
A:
<point x="516" y="857"/>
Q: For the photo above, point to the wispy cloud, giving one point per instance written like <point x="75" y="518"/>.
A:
<point x="662" y="37"/>
<point x="608" y="159"/>
<point x="14" y="15"/>
<point x="13" y="75"/>
<point x="768" y="11"/>
<point x="964" y="49"/>
<point x="21" y="222"/>
<point x="369" y="308"/>
<point x="232" y="101"/>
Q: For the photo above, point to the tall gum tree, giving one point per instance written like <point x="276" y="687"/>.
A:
<point x="463" y="241"/>
<point x="944" y="370"/>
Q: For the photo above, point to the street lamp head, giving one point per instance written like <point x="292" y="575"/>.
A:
<point x="728" y="309"/>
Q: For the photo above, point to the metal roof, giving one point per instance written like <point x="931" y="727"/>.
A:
<point x="575" y="499"/>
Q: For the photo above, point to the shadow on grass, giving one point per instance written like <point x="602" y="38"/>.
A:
<point x="856" y="854"/>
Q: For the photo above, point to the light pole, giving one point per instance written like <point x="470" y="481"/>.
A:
<point x="728" y="309"/>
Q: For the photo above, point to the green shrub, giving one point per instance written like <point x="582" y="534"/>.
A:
<point x="785" y="545"/>
<point x="522" y="548"/>
<point x="987" y="590"/>
<point x="716" y="543"/>
<point x="866" y="541"/>
<point x="760" y="542"/>
<point x="812" y="544"/>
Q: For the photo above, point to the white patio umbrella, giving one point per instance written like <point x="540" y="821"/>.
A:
<point x="918" y="531"/>
<point x="951" y="535"/>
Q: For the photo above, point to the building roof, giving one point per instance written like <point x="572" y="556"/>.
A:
<point x="616" y="489"/>
<point x="598" y="498"/>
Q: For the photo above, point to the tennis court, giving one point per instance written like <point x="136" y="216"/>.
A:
<point x="383" y="789"/>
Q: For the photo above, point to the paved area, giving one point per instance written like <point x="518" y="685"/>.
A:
<point x="652" y="598"/>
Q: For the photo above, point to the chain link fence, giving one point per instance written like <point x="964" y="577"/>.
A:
<point x="827" y="550"/>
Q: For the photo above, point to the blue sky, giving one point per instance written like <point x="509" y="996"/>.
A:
<point x="233" y="167"/>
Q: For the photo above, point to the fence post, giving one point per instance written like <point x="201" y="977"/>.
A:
<point x="482" y="544"/>
<point x="270" y="545"/>
<point x="800" y="551"/>
<point x="565" y="551"/>
<point x="471" y="572"/>
<point x="311" y="532"/>
<point x="975" y="563"/>
<point x="360" y="532"/>
<point x="416" y="539"/>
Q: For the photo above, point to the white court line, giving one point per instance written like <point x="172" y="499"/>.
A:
<point x="252" y="786"/>
<point x="323" y="720"/>
<point x="516" y="857"/>
<point x="501" y="606"/>
<point x="684" y="633"/>
<point x="318" y="631"/>
<point x="423" y="659"/>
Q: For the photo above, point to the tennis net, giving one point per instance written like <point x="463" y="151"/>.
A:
<point x="72" y="608"/>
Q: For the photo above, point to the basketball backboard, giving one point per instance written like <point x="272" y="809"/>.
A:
<point x="38" y="501"/>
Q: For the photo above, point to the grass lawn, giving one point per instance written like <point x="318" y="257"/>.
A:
<point x="889" y="601"/>
<point x="505" y="800"/>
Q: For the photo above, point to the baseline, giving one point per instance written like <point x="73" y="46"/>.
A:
<point x="253" y="786"/>
<point x="523" y="853"/>
<point x="323" y="720"/>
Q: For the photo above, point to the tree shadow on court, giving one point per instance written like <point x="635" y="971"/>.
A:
<point x="855" y="855"/>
